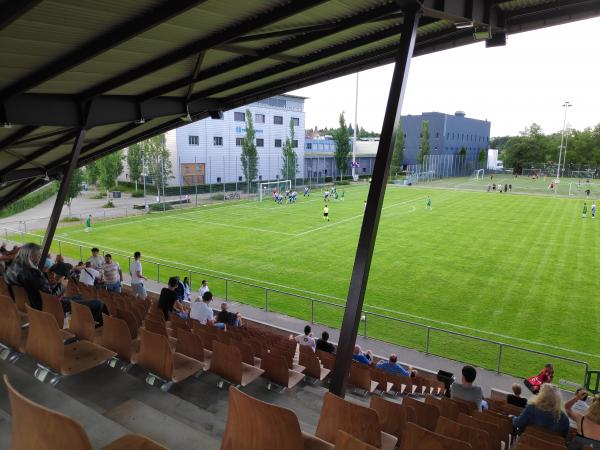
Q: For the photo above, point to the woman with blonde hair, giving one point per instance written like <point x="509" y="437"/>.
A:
<point x="544" y="411"/>
<point x="588" y="424"/>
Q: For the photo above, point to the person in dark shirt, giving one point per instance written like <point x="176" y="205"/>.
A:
<point x="515" y="398"/>
<point x="324" y="344"/>
<point x="226" y="317"/>
<point x="168" y="302"/>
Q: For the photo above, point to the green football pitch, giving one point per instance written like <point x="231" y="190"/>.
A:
<point x="520" y="268"/>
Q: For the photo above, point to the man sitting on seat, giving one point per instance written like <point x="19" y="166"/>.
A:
<point x="393" y="366"/>
<point x="324" y="344"/>
<point x="363" y="358"/>
<point x="515" y="398"/>
<point x="306" y="339"/>
<point x="466" y="390"/>
<point x="89" y="275"/>
<point x="168" y="302"/>
<point x="227" y="318"/>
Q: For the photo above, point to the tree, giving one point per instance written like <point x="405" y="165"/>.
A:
<point x="92" y="173"/>
<point x="135" y="163"/>
<point x="482" y="157"/>
<point x="249" y="157"/>
<point x="156" y="156"/>
<point x="110" y="167"/>
<point x="290" y="158"/>
<point x="424" y="147"/>
<point x="342" y="146"/>
<point x="398" y="155"/>
<point x="74" y="188"/>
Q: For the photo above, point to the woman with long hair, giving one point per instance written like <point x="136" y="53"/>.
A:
<point x="588" y="424"/>
<point x="24" y="272"/>
<point x="544" y="411"/>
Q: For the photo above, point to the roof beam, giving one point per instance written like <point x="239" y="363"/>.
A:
<point x="17" y="135"/>
<point x="41" y="136"/>
<point x="13" y="9"/>
<point x="25" y="174"/>
<point x="263" y="19"/>
<point x="347" y="23"/>
<point x="23" y="188"/>
<point x="100" y="44"/>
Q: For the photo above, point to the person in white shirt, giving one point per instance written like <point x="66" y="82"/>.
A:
<point x="88" y="275"/>
<point x="203" y="289"/>
<point x="580" y="405"/>
<point x="306" y="339"/>
<point x="137" y="278"/>
<point x="96" y="260"/>
<point x="202" y="312"/>
<point x="112" y="274"/>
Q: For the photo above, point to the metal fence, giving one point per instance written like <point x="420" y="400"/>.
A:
<point x="501" y="357"/>
<point x="435" y="167"/>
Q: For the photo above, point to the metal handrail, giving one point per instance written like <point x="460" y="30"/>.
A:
<point x="312" y="300"/>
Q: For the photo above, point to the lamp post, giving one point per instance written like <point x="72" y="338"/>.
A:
<point x="566" y="105"/>
<point x="355" y="126"/>
<point x="144" y="174"/>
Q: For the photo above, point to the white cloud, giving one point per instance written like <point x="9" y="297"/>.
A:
<point x="512" y="86"/>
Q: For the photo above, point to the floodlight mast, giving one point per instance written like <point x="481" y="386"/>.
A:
<point x="566" y="105"/>
<point x="355" y="127"/>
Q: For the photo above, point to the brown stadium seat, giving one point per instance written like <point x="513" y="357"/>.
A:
<point x="449" y="409"/>
<point x="117" y="338"/>
<point x="357" y="420"/>
<point x="381" y="377"/>
<point x="247" y="353"/>
<point x="392" y="416"/>
<point x="130" y="320"/>
<point x="426" y="415"/>
<point x="345" y="441"/>
<point x="12" y="337"/>
<point x="276" y="370"/>
<point x="310" y="361"/>
<point x="36" y="427"/>
<point x="420" y="438"/>
<point x="21" y="298"/>
<point x="401" y="384"/>
<point x="227" y="363"/>
<point x="45" y="344"/>
<point x="360" y="377"/>
<point x="479" y="439"/>
<point x="190" y="344"/>
<point x="256" y="425"/>
<point x="327" y="359"/>
<point x="504" y="423"/>
<point x="541" y="444"/>
<point x="544" y="434"/>
<point x="154" y="326"/>
<point x="494" y="432"/>
<point x="52" y="304"/>
<point x="82" y="323"/>
<point x="157" y="357"/>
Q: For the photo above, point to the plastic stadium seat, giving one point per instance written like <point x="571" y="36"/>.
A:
<point x="392" y="416"/>
<point x="52" y="304"/>
<point x="276" y="370"/>
<point x="311" y="362"/>
<point x="496" y="441"/>
<point x="420" y="438"/>
<point x="546" y="435"/>
<point x="426" y="415"/>
<point x="82" y="324"/>
<point x="12" y="338"/>
<point x="36" y="427"/>
<point x="190" y="344"/>
<point x="116" y="337"/>
<point x="227" y="363"/>
<point x="479" y="439"/>
<point x="360" y="377"/>
<point x="345" y="441"/>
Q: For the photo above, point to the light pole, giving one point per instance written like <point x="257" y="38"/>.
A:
<point x="144" y="173"/>
<point x="566" y="106"/>
<point x="355" y="126"/>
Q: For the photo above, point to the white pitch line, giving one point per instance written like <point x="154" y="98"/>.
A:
<point x="227" y="225"/>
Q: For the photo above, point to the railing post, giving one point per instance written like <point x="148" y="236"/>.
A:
<point x="226" y="291"/>
<point x="499" y="357"/>
<point x="157" y="272"/>
<point x="266" y="299"/>
<point x="427" y="340"/>
<point x="365" y="326"/>
<point x="312" y="311"/>
<point x="59" y="248"/>
<point x="80" y="253"/>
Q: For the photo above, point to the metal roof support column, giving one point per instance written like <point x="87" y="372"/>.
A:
<point x="368" y="232"/>
<point x="62" y="194"/>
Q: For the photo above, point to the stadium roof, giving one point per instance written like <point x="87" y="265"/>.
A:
<point x="127" y="70"/>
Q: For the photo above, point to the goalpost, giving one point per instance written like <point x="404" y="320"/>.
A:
<point x="579" y="189"/>
<point x="265" y="190"/>
<point x="478" y="174"/>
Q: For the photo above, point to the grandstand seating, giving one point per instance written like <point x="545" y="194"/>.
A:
<point x="539" y="443"/>
<point x="276" y="370"/>
<point x="359" y="421"/>
<point x="360" y="378"/>
<point x="426" y="415"/>
<point x="417" y="437"/>
<point x="116" y="337"/>
<point x="392" y="416"/>
<point x="82" y="323"/>
<point x="12" y="338"/>
<point x="345" y="441"/>
<point x="190" y="344"/>
<point x="51" y="304"/>
<point x="313" y="368"/>
<point x="36" y="427"/>
<point x="544" y="434"/>
<point x="227" y="362"/>
<point x="479" y="439"/>
<point x="495" y="435"/>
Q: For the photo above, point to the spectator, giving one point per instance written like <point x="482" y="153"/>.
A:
<point x="466" y="390"/>
<point x="47" y="263"/>
<point x="180" y="290"/>
<point x="137" y="278"/>
<point x="306" y="339"/>
<point x="515" y="398"/>
<point x="89" y="275"/>
<point x="202" y="312"/>
<point x="203" y="289"/>
<point x="588" y="423"/>
<point x="544" y="411"/>
<point x="168" y="303"/>
<point x="393" y="366"/>
<point x="187" y="294"/>
<point x="324" y="344"/>
<point x="112" y="274"/>
<point x="96" y="260"/>
<point x="24" y="272"/>
<point x="227" y="318"/>
<point x="545" y="376"/>
<point x="580" y="406"/>
<point x="359" y="356"/>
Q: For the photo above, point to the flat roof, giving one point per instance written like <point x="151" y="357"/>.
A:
<point x="128" y="70"/>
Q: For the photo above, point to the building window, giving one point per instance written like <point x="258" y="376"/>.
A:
<point x="217" y="140"/>
<point x="308" y="146"/>
<point x="296" y="121"/>
<point x="364" y="170"/>
<point x="259" y="118"/>
<point x="294" y="143"/>
<point x="260" y="142"/>
<point x="240" y="178"/>
<point x="278" y="120"/>
<point x="278" y="143"/>
<point x="193" y="140"/>
<point x="260" y="178"/>
<point x="437" y="134"/>
<point x="239" y="142"/>
<point x="239" y="116"/>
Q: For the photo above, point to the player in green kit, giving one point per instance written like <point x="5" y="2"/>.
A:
<point x="584" y="212"/>
<point x="326" y="213"/>
<point x="343" y="193"/>
<point x="428" y="204"/>
<point x="88" y="223"/>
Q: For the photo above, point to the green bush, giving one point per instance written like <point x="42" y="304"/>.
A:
<point x="137" y="194"/>
<point x="98" y="196"/>
<point x="160" y="206"/>
<point x="108" y="205"/>
<point x="30" y="200"/>
<point x="218" y="196"/>
<point x="342" y="183"/>
<point x="70" y="219"/>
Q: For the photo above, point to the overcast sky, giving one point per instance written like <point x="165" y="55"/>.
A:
<point x="513" y="86"/>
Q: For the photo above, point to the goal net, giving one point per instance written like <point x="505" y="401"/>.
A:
<point x="267" y="189"/>
<point x="584" y="189"/>
<point x="478" y="174"/>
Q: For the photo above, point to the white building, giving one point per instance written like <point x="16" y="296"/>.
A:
<point x="208" y="151"/>
<point x="493" y="163"/>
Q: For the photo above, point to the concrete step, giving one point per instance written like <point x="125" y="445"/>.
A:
<point x="4" y="431"/>
<point x="100" y="430"/>
<point x="168" y="431"/>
